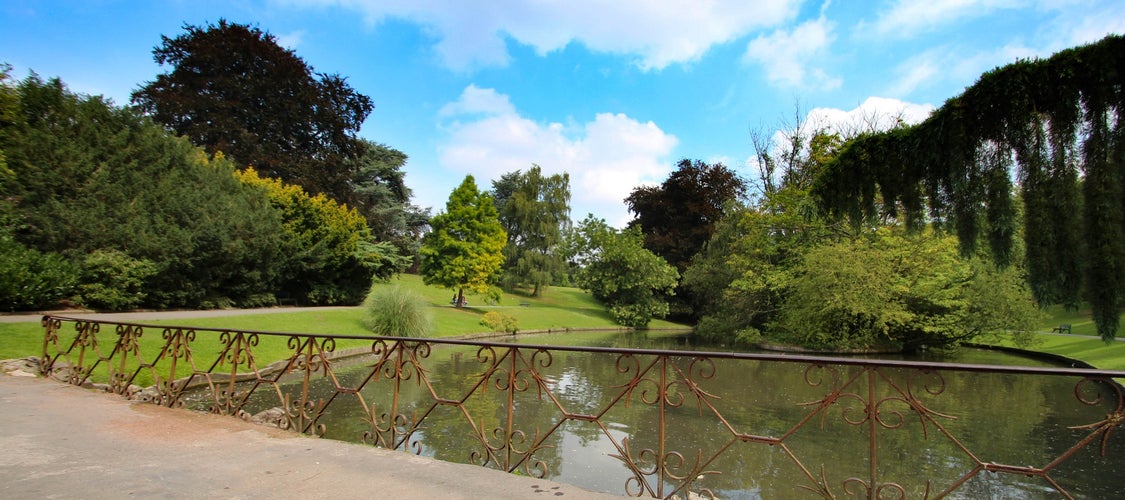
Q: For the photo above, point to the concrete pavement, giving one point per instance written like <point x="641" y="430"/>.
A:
<point x="61" y="441"/>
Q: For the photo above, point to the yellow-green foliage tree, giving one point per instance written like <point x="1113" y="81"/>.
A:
<point x="331" y="255"/>
<point x="465" y="247"/>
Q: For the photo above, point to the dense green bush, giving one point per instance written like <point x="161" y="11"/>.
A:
<point x="396" y="312"/>
<point x="114" y="281"/>
<point x="30" y="279"/>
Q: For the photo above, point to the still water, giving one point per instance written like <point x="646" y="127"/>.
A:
<point x="1019" y="420"/>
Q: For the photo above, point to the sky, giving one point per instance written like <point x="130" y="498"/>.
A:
<point x="614" y="93"/>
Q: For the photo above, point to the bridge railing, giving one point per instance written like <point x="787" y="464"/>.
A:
<point x="838" y="431"/>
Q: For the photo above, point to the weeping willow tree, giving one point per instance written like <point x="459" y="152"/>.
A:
<point x="1049" y="131"/>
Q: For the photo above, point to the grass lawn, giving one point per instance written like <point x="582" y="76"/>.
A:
<point x="1082" y="344"/>
<point x="557" y="308"/>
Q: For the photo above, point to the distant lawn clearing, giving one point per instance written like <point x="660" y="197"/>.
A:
<point x="558" y="308"/>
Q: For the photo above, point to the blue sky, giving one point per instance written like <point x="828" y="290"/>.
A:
<point x="613" y="92"/>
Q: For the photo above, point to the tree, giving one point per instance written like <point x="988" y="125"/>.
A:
<point x="896" y="291"/>
<point x="617" y="270"/>
<point x="328" y="263"/>
<point x="679" y="216"/>
<point x="381" y="195"/>
<point x="535" y="212"/>
<point x="464" y="248"/>
<point x="737" y="281"/>
<point x="90" y="177"/>
<point x="1060" y="120"/>
<point x="234" y="89"/>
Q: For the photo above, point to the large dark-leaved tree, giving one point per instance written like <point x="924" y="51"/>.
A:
<point x="679" y="216"/>
<point x="233" y="89"/>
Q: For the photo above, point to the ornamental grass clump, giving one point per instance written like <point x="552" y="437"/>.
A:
<point x="396" y="312"/>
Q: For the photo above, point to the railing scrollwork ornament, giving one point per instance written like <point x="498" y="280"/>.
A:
<point x="859" y="488"/>
<point x="397" y="362"/>
<point x="303" y="416"/>
<point x="128" y="344"/>
<point x="506" y="447"/>
<point x="392" y="431"/>
<point x="1112" y="420"/>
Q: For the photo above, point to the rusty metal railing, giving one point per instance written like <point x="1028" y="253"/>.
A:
<point x="493" y="398"/>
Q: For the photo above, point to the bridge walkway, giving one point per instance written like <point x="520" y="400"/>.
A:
<point x="62" y="441"/>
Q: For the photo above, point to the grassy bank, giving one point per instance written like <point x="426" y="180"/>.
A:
<point x="557" y="308"/>
<point x="1081" y="344"/>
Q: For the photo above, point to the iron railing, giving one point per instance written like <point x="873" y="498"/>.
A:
<point x="402" y="399"/>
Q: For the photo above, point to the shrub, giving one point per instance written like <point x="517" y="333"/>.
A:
<point x="30" y="279"/>
<point x="114" y="281"/>
<point x="396" y="312"/>
<point x="259" y="300"/>
<point x="500" y="322"/>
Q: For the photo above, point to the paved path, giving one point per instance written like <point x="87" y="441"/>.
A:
<point x="61" y="441"/>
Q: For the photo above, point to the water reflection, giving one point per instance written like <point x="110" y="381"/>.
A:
<point x="767" y="426"/>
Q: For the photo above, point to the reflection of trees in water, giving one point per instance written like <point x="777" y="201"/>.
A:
<point x="729" y="420"/>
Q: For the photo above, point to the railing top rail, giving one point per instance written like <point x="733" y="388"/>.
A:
<point x="779" y="357"/>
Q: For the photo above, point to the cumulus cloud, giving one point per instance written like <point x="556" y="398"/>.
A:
<point x="472" y="33"/>
<point x="1072" y="23"/>
<point x="787" y="56"/>
<point x="606" y="157"/>
<point x="874" y="114"/>
<point x="475" y="100"/>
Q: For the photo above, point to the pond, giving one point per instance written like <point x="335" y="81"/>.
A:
<point x="735" y="427"/>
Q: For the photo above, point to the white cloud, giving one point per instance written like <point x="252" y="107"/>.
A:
<point x="944" y="64"/>
<point x="291" y="40"/>
<point x="476" y="100"/>
<point x="1080" y="22"/>
<point x="909" y="18"/>
<point x="874" y="114"/>
<point x="1074" y="21"/>
<point x="606" y="157"/>
<point x="471" y="33"/>
<point x="787" y="56"/>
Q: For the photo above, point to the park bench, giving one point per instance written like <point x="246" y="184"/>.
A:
<point x="1063" y="328"/>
